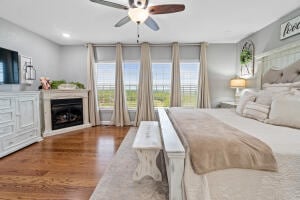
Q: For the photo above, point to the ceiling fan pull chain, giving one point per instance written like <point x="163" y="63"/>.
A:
<point x="138" y="32"/>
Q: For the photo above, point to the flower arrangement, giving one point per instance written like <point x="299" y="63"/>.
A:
<point x="245" y="57"/>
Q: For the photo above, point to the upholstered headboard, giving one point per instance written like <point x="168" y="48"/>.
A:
<point x="289" y="74"/>
<point x="281" y="65"/>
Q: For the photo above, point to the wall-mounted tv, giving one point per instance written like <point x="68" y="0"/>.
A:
<point x="9" y="67"/>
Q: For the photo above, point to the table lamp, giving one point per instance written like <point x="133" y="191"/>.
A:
<point x="237" y="83"/>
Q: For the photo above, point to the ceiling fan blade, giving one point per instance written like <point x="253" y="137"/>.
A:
<point x="110" y="4"/>
<point x="123" y="21"/>
<point x="167" y="8"/>
<point x="151" y="24"/>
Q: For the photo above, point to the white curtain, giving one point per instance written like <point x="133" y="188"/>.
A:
<point x="120" y="115"/>
<point x="91" y="86"/>
<point x="175" y="100"/>
<point x="145" y="107"/>
<point x="203" y="100"/>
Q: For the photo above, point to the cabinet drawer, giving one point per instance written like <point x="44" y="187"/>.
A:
<point x="7" y="129"/>
<point x="6" y="103"/>
<point x="6" y="116"/>
<point x="18" y="139"/>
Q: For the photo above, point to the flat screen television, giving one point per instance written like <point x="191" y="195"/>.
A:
<point x="9" y="67"/>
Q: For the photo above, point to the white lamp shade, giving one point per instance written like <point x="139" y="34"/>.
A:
<point x="138" y="14"/>
<point x="237" y="83"/>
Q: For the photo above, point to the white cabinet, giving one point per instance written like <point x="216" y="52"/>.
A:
<point x="19" y="120"/>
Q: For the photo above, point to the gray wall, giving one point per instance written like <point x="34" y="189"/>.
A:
<point x="45" y="54"/>
<point x="221" y="68"/>
<point x="73" y="63"/>
<point x="268" y="38"/>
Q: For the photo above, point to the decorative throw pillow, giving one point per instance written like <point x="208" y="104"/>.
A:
<point x="247" y="96"/>
<point x="264" y="98"/>
<point x="256" y="111"/>
<point x="285" y="111"/>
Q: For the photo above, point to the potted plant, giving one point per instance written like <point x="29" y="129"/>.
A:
<point x="245" y="58"/>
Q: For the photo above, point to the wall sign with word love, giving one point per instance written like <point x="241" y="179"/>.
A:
<point x="290" y="28"/>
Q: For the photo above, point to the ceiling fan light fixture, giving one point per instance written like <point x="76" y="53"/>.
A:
<point x="138" y="15"/>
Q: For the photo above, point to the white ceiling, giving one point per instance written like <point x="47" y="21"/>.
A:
<point x="214" y="21"/>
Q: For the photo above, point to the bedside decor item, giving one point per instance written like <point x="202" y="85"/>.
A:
<point x="237" y="83"/>
<point x="290" y="28"/>
<point x="247" y="60"/>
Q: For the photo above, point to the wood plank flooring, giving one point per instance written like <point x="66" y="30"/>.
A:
<point x="66" y="166"/>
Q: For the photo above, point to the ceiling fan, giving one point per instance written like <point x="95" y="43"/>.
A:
<point x="139" y="12"/>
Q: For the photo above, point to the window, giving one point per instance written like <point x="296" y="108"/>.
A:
<point x="161" y="75"/>
<point x="105" y="84"/>
<point x="189" y="73"/>
<point x="131" y="81"/>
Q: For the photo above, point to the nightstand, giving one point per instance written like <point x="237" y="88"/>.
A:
<point x="228" y="104"/>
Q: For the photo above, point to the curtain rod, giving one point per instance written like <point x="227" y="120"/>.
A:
<point x="151" y="44"/>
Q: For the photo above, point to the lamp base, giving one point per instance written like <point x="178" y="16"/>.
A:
<point x="237" y="95"/>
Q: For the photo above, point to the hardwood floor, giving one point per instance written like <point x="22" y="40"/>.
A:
<point x="66" y="166"/>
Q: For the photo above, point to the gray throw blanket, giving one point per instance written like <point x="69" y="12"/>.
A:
<point x="214" y="145"/>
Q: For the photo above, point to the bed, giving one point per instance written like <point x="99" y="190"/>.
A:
<point x="239" y="184"/>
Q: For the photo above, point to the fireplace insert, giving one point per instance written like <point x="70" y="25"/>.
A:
<point x="66" y="113"/>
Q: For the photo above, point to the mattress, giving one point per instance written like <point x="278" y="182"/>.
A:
<point x="245" y="184"/>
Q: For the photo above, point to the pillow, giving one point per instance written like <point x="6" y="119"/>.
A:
<point x="296" y="85"/>
<point x="264" y="98"/>
<point x="256" y="111"/>
<point x="278" y="87"/>
<point x="295" y="91"/>
<point x="285" y="111"/>
<point x="247" y="96"/>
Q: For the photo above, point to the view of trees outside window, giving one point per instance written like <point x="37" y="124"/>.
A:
<point x="189" y="73"/>
<point x="105" y="84"/>
<point x="161" y="74"/>
<point x="131" y="81"/>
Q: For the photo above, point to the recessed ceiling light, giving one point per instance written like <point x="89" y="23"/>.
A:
<point x="66" y="35"/>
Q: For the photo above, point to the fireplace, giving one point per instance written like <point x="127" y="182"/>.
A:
<point x="66" y="113"/>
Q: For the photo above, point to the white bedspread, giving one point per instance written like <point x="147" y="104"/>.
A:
<point x="243" y="184"/>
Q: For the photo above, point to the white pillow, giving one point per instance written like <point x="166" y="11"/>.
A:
<point x="247" y="96"/>
<point x="264" y="98"/>
<point x="256" y="111"/>
<point x="285" y="111"/>
<point x="296" y="85"/>
<point x="278" y="87"/>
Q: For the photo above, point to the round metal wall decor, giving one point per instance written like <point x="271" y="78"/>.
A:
<point x="247" y="59"/>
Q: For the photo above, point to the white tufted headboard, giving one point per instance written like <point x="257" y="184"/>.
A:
<point x="281" y="65"/>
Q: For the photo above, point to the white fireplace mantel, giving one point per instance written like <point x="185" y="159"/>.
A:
<point x="48" y="95"/>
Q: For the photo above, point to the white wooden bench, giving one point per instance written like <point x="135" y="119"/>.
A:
<point x="174" y="154"/>
<point x="147" y="144"/>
